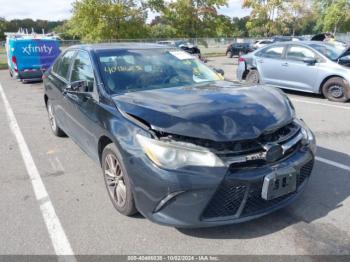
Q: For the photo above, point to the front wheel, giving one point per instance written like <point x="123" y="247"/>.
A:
<point x="117" y="181"/>
<point x="229" y="54"/>
<point x="56" y="130"/>
<point x="336" y="89"/>
<point x="253" y="77"/>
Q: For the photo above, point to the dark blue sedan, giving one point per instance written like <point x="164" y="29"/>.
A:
<point x="175" y="141"/>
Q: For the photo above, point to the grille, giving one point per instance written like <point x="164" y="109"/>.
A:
<point x="226" y="201"/>
<point x="235" y="148"/>
<point x="229" y="196"/>
<point x="255" y="204"/>
<point x="305" y="171"/>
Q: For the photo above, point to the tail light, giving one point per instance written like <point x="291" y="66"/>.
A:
<point x="14" y="61"/>
<point x="241" y="59"/>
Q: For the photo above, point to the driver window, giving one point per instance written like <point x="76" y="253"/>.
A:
<point x="82" y="69"/>
<point x="299" y="53"/>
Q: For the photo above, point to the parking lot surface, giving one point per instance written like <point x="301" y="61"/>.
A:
<point x="83" y="220"/>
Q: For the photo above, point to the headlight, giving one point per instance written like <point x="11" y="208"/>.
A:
<point x="174" y="155"/>
<point x="309" y="137"/>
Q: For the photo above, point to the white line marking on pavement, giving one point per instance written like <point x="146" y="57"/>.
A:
<point x="58" y="237"/>
<point x="332" y="163"/>
<point x="318" y="103"/>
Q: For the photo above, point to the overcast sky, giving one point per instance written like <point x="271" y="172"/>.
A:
<point x="61" y="9"/>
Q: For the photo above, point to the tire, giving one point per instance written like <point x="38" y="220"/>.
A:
<point x="336" y="89"/>
<point x="10" y="71"/>
<point x="117" y="181"/>
<point x="56" y="130"/>
<point x="229" y="54"/>
<point x="253" y="77"/>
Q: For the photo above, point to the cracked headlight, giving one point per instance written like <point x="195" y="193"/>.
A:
<point x="174" y="155"/>
<point x="308" y="136"/>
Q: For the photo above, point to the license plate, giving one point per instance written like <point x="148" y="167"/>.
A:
<point x="279" y="183"/>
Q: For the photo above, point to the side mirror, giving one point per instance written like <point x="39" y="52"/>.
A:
<point x="309" y="61"/>
<point x="219" y="71"/>
<point x="81" y="86"/>
<point x="344" y="60"/>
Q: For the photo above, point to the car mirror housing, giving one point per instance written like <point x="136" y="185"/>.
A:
<point x="344" y="60"/>
<point x="80" y="86"/>
<point x="310" y="61"/>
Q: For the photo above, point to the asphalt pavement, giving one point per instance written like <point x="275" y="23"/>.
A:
<point x="80" y="216"/>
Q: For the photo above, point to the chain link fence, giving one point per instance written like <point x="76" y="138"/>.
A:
<point x="208" y="46"/>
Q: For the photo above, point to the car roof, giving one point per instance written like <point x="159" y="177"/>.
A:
<point x="119" y="46"/>
<point x="305" y="43"/>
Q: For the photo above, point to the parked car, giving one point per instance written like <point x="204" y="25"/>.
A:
<point x="173" y="43"/>
<point x="175" y="142"/>
<point x="186" y="46"/>
<point x="261" y="43"/>
<point x="309" y="66"/>
<point x="29" y="56"/>
<point x="238" y="49"/>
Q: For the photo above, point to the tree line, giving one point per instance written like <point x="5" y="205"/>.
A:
<point x="38" y="26"/>
<point x="101" y="20"/>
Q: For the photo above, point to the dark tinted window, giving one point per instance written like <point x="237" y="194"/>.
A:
<point x="300" y="53"/>
<point x="272" y="52"/>
<point x="64" y="63"/>
<point x="82" y="68"/>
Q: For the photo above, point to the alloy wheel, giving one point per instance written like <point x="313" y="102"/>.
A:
<point x="114" y="179"/>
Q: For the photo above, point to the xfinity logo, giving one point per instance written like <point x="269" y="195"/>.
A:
<point x="29" y="49"/>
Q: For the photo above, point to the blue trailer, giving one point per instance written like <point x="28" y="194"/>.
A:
<point x="30" y="56"/>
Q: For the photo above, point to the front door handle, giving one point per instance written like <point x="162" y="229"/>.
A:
<point x="260" y="61"/>
<point x="285" y="64"/>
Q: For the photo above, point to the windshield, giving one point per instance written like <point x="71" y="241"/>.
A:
<point x="332" y="51"/>
<point x="134" y="70"/>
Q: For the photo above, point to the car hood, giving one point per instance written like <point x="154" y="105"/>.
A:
<point x="219" y="111"/>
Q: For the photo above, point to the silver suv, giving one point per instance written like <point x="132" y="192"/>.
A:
<point x="310" y="66"/>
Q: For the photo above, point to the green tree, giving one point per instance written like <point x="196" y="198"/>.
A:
<point x="2" y="28"/>
<point x="190" y="18"/>
<point x="336" y="16"/>
<point x="100" y="20"/>
<point x="263" y="18"/>
<point x="240" y="26"/>
<point x="162" y="31"/>
<point x="296" y="16"/>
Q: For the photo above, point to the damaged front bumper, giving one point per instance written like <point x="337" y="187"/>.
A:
<point x="212" y="196"/>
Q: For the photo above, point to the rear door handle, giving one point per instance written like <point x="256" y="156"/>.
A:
<point x="260" y="61"/>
